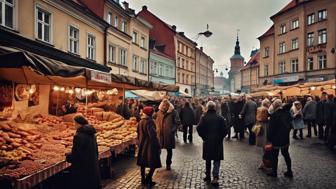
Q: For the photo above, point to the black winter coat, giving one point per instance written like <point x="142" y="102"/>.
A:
<point x="84" y="159"/>
<point x="149" y="147"/>
<point x="279" y="127"/>
<point x="226" y="113"/>
<point x="322" y="112"/>
<point x="187" y="116"/>
<point x="212" y="130"/>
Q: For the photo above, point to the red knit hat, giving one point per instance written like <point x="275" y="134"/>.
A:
<point x="148" y="110"/>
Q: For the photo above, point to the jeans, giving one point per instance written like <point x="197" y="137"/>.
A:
<point x="285" y="154"/>
<point x="310" y="124"/>
<point x="185" y="132"/>
<point x="169" y="156"/>
<point x="252" y="136"/>
<point x="215" y="170"/>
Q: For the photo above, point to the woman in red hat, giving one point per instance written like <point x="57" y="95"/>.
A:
<point x="149" y="147"/>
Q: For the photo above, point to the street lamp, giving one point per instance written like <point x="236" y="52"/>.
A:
<point x="206" y="33"/>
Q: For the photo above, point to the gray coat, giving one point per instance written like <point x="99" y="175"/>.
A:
<point x="309" y="111"/>
<point x="249" y="112"/>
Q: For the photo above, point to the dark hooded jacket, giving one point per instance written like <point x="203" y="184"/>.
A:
<point x="84" y="159"/>
<point x="212" y="130"/>
<point x="280" y="126"/>
<point x="187" y="116"/>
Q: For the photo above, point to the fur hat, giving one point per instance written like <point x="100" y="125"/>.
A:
<point x="148" y="110"/>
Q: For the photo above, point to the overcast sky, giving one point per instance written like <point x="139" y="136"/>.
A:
<point x="251" y="17"/>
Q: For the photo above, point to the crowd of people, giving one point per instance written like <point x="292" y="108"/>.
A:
<point x="268" y="122"/>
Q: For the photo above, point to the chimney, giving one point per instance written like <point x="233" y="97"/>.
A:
<point x="181" y="33"/>
<point x="201" y="48"/>
<point x="144" y="7"/>
<point x="126" y="5"/>
<point x="174" y="27"/>
<point x="152" y="43"/>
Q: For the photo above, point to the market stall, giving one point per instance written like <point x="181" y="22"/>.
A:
<point x="33" y="142"/>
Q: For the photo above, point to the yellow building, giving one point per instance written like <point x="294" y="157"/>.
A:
<point x="185" y="63"/>
<point x="59" y="25"/>
<point x="250" y="73"/>
<point x="298" y="47"/>
<point x="140" y="47"/>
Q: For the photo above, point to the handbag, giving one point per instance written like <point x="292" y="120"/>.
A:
<point x="256" y="129"/>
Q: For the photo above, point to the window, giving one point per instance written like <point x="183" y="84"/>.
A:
<point x="294" y="65"/>
<point x="109" y="18"/>
<point x="7" y="13"/>
<point x="178" y="77"/>
<point x="160" y="70"/>
<point x="142" y="42"/>
<point x="143" y="66"/>
<point x="282" y="67"/>
<point x="183" y="78"/>
<point x="167" y="71"/>
<point x="310" y="64"/>
<point x="295" y="24"/>
<point x="311" y="19"/>
<point x="123" y="57"/>
<point x="43" y="25"/>
<point x="310" y="39"/>
<point x="322" y="36"/>
<point x="187" y="64"/>
<point x="322" y="59"/>
<point x="135" y="37"/>
<point x="266" y="52"/>
<point x="187" y="79"/>
<point x="266" y="70"/>
<point x="282" y="48"/>
<point x="135" y="63"/>
<point x="91" y="47"/>
<point x="180" y="47"/>
<point x="283" y="29"/>
<point x="322" y="15"/>
<point x="116" y="21"/>
<point x="178" y="62"/>
<point x="123" y="26"/>
<point x="182" y="63"/>
<point x="295" y="43"/>
<point x="73" y="39"/>
<point x="112" y="54"/>
<point x="154" y="65"/>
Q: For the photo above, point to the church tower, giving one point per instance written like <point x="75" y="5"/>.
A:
<point x="236" y="63"/>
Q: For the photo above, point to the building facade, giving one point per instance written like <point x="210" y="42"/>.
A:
<point x="236" y="63"/>
<point x="298" y="47"/>
<point x="250" y="73"/>
<point x="185" y="63"/>
<point x="162" y="67"/>
<point x="204" y="73"/>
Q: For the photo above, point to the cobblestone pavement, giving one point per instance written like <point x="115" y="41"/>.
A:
<point x="314" y="167"/>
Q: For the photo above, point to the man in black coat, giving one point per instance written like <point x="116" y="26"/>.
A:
<point x="238" y="121"/>
<point x="321" y="115"/>
<point x="226" y="114"/>
<point x="212" y="130"/>
<point x="187" y="117"/>
<point x="84" y="157"/>
<point x="278" y="136"/>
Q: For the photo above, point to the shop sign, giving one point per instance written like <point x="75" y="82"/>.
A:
<point x="101" y="77"/>
<point x="286" y="79"/>
<point x="316" y="79"/>
<point x="316" y="49"/>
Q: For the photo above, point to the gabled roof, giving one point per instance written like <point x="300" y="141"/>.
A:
<point x="292" y="4"/>
<point x="157" y="52"/>
<point x="269" y="32"/>
<point x="144" y="8"/>
<point x="254" y="61"/>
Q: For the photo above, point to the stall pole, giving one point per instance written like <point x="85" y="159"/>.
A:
<point x="86" y="102"/>
<point x="57" y="97"/>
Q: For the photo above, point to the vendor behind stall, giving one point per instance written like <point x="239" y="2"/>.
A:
<point x="69" y="107"/>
